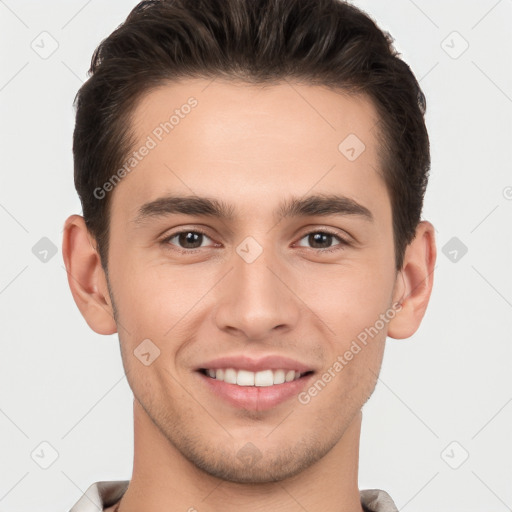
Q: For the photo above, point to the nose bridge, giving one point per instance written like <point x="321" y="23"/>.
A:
<point x="252" y="271"/>
<point x="256" y="300"/>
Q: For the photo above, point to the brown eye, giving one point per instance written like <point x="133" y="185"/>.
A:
<point x="186" y="239"/>
<point x="322" y="241"/>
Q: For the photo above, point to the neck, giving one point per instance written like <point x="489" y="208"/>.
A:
<point x="162" y="478"/>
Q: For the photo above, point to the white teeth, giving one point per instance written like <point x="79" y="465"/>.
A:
<point x="230" y="376"/>
<point x="246" y="378"/>
<point x="264" y="378"/>
<point x="278" y="376"/>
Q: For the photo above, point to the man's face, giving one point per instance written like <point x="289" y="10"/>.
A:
<point x="255" y="284"/>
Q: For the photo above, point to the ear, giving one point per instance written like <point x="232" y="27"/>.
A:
<point x="414" y="282"/>
<point x="86" y="277"/>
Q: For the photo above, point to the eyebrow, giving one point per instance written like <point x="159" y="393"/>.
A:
<point x="314" y="205"/>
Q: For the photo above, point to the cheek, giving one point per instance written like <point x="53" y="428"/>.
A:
<point x="350" y="299"/>
<point x="151" y="298"/>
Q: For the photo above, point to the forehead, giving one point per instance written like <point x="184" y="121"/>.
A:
<point x="306" y="111"/>
<point x="217" y="137"/>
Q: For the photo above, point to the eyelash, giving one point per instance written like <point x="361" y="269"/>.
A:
<point x="343" y="242"/>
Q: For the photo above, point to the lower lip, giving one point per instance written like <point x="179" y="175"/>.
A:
<point x="256" y="398"/>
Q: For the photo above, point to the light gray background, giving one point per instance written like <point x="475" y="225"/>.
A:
<point x="63" y="384"/>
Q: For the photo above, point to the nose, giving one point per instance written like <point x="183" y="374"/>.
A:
<point x="257" y="298"/>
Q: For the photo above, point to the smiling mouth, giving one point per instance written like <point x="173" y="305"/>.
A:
<point x="245" y="378"/>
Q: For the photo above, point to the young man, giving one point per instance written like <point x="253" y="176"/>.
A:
<point x="252" y="175"/>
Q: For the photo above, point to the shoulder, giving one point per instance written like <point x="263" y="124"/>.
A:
<point x="377" y="500"/>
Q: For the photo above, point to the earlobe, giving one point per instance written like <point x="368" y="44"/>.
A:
<point x="86" y="277"/>
<point x="414" y="282"/>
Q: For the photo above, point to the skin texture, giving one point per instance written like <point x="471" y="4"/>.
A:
<point x="251" y="147"/>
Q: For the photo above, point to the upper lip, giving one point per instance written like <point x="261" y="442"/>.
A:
<point x="253" y="364"/>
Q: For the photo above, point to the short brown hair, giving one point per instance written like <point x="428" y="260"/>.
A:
<point x="321" y="42"/>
